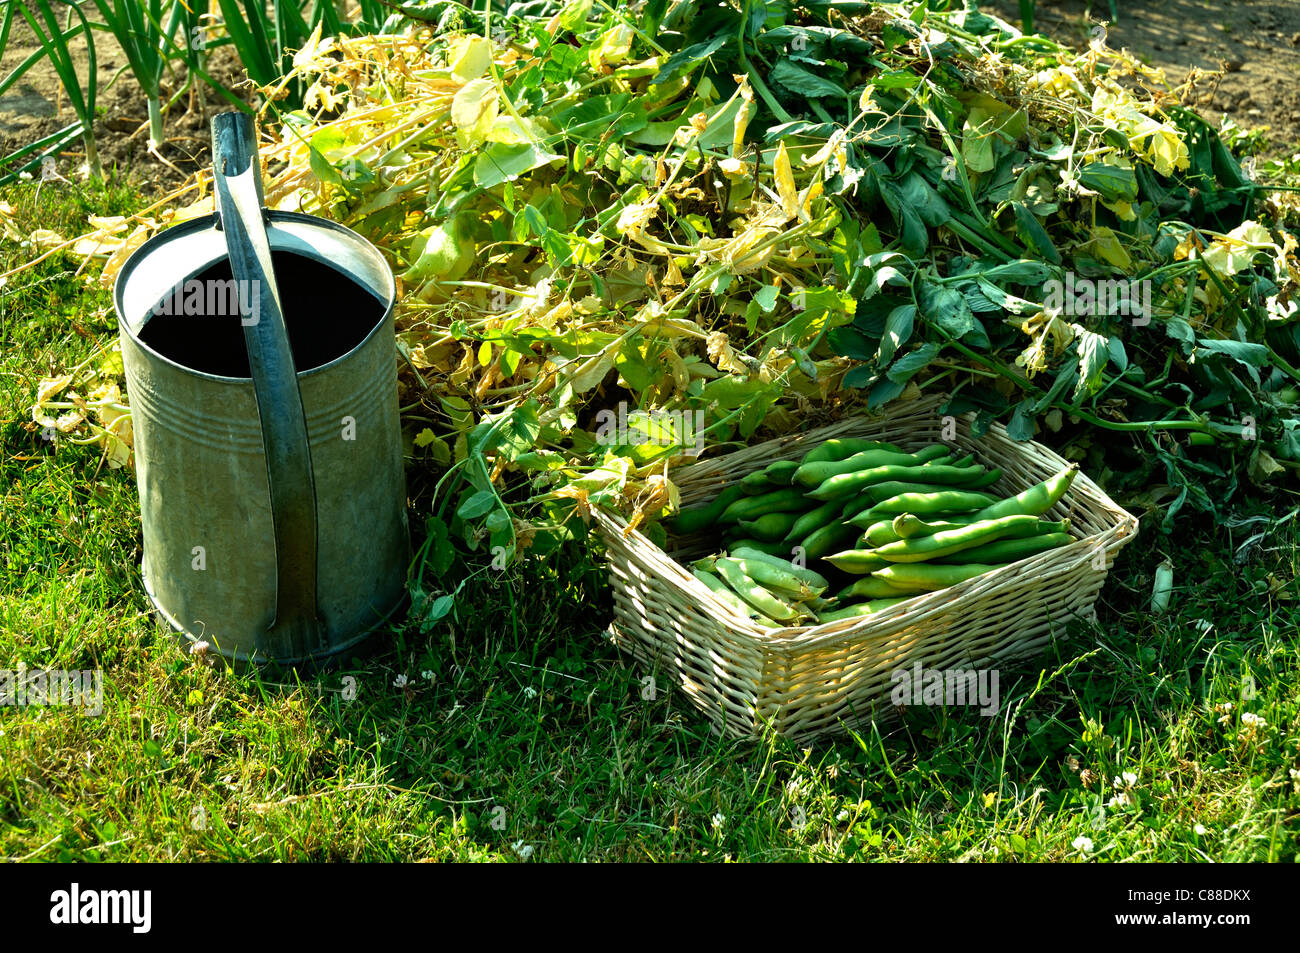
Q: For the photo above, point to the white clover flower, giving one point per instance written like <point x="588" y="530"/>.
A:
<point x="1251" y="720"/>
<point x="1200" y="830"/>
<point x="1119" y="800"/>
<point x="842" y="816"/>
<point x="400" y="681"/>
<point x="1082" y="843"/>
<point x="718" y="820"/>
<point x="1129" y="779"/>
<point x="529" y="692"/>
<point x="524" y="851"/>
<point x="427" y="675"/>
<point x="794" y="787"/>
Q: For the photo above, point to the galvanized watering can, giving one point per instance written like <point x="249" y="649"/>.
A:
<point x="261" y="368"/>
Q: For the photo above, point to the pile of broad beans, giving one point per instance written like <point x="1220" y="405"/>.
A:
<point x="884" y="523"/>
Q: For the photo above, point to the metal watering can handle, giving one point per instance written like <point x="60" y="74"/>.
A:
<point x="297" y="631"/>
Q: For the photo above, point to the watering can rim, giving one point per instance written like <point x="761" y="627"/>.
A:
<point x="211" y="221"/>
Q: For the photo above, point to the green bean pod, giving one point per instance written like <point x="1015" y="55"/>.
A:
<point x="758" y="597"/>
<point x="879" y="533"/>
<point x="1009" y="550"/>
<point x="827" y="539"/>
<point x="987" y="478"/>
<point x="882" y="532"/>
<point x="780" y="473"/>
<point x="1036" y="500"/>
<point x="814" y="580"/>
<point x="841" y="448"/>
<point x="776" y="550"/>
<point x="861" y="609"/>
<point x="733" y="601"/>
<point x="873" y="495"/>
<point x="819" y="471"/>
<point x="950" y="501"/>
<point x="693" y="519"/>
<point x="846" y="484"/>
<point x="755" y="483"/>
<point x="774" y="578"/>
<point x="772" y="527"/>
<point x="814" y="520"/>
<point x="923" y="548"/>
<point x="752" y="507"/>
<point x="906" y="525"/>
<point x="871" y="587"/>
<point x="930" y="576"/>
<point x="859" y="562"/>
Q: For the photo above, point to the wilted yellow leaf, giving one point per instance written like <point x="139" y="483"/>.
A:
<point x="51" y="386"/>
<point x="1230" y="253"/>
<point x="473" y="111"/>
<point x="1105" y="244"/>
<point x="44" y="239"/>
<point x="785" y="186"/>
<point x="469" y="57"/>
<point x="615" y="43"/>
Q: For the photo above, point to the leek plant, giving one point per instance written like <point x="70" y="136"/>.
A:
<point x="53" y="41"/>
<point x="137" y="26"/>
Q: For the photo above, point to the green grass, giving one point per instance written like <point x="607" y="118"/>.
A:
<point x="533" y="732"/>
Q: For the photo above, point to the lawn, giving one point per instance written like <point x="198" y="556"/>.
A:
<point x="512" y="730"/>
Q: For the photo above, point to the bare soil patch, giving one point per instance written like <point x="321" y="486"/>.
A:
<point x="1253" y="44"/>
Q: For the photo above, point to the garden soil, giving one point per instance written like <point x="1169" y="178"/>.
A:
<point x="1246" y="52"/>
<point x="36" y="107"/>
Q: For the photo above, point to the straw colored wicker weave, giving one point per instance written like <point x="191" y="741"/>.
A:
<point x="808" y="680"/>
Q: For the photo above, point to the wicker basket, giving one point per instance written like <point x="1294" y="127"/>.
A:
<point x="807" y="680"/>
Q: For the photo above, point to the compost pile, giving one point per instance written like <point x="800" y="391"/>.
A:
<point x="607" y="224"/>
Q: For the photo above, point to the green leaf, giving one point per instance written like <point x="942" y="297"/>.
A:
<point x="1093" y="355"/>
<point x="1064" y="378"/>
<point x="477" y="504"/>
<point x="688" y="57"/>
<point x="441" y="553"/>
<point x="946" y="308"/>
<point x="1021" y="425"/>
<point x="1113" y="183"/>
<point x="796" y="79"/>
<point x="1118" y="356"/>
<point x="898" y="330"/>
<point x="1033" y="234"/>
<point x="906" y="367"/>
<point x="322" y="169"/>
<point x="1023" y="271"/>
<point x="1181" y="331"/>
<point x="883" y="391"/>
<point x="850" y="342"/>
<point x="928" y="203"/>
<point x="1252" y="356"/>
<point x="766" y="297"/>
<point x="438" y="609"/>
<point x="499" y="162"/>
<point x="511" y="433"/>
